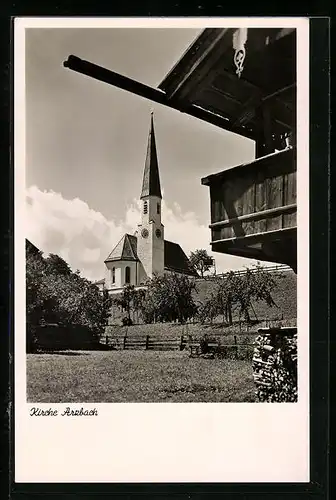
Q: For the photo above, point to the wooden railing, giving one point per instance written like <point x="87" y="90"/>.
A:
<point x="148" y="342"/>
<point x="144" y="342"/>
<point x="268" y="269"/>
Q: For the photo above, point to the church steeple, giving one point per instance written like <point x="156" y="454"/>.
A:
<point x="150" y="239"/>
<point x="151" y="180"/>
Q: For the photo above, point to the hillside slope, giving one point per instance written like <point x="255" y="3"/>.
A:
<point x="284" y="296"/>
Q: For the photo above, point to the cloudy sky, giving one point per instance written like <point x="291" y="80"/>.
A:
<point x="86" y="145"/>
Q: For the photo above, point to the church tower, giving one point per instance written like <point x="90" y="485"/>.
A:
<point x="150" y="235"/>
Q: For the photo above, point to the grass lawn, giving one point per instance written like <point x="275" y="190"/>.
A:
<point x="136" y="376"/>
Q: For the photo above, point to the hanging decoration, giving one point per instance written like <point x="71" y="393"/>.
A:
<point x="239" y="41"/>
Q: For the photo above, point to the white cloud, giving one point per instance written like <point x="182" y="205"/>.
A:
<point x="84" y="237"/>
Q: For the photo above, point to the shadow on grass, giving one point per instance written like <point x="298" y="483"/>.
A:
<point x="64" y="353"/>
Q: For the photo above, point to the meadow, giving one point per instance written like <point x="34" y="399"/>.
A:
<point x="136" y="376"/>
<point x="158" y="376"/>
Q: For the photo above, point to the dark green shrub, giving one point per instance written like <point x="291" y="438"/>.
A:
<point x="126" y="321"/>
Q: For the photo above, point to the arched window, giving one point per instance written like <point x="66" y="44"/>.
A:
<point x="127" y="275"/>
<point x="113" y="274"/>
<point x="145" y="207"/>
<point x="158" y="208"/>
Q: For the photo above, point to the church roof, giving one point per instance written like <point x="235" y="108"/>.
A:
<point x="175" y="259"/>
<point x="125" y="249"/>
<point x="151" y="180"/>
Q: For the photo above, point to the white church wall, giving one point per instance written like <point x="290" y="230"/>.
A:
<point x="108" y="274"/>
<point x="120" y="273"/>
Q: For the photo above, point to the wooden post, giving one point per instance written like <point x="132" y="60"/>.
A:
<point x="236" y="349"/>
<point x="106" y="339"/>
<point x="181" y="344"/>
<point x="125" y="339"/>
<point x="147" y="341"/>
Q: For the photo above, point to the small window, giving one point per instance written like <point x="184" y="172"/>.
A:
<point x="145" y="207"/>
<point x="158" y="208"/>
<point x="127" y="275"/>
<point x="113" y="274"/>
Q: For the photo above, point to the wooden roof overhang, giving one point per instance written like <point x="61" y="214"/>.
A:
<point x="204" y="84"/>
<point x="253" y="206"/>
<point x="263" y="97"/>
<point x="253" y="209"/>
<point x="260" y="105"/>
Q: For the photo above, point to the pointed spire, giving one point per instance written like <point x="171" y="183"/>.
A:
<point x="151" y="179"/>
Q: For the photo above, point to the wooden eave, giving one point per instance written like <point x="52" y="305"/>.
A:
<point x="287" y="155"/>
<point x="206" y="70"/>
<point x="205" y="76"/>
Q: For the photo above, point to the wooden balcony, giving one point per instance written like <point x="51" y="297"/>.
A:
<point x="253" y="209"/>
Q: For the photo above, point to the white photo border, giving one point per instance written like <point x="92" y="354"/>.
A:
<point x="244" y="442"/>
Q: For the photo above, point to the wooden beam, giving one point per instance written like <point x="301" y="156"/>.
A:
<point x="277" y="246"/>
<point x="215" y="60"/>
<point x="256" y="215"/>
<point x="206" y="57"/>
<point x="277" y="233"/>
<point x="249" y="108"/>
<point x="285" y="155"/>
<point x="278" y="92"/>
<point x="218" y="66"/>
<point x="120" y="81"/>
<point x="188" y="58"/>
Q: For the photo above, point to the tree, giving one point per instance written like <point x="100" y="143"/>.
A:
<point x="238" y="291"/>
<point x="126" y="300"/>
<point x="201" y="261"/>
<point x="208" y="310"/>
<point x="55" y="264"/>
<point x="169" y="298"/>
<point x="57" y="295"/>
<point x="263" y="284"/>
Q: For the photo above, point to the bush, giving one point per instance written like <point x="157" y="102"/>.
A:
<point x="57" y="295"/>
<point x="126" y="321"/>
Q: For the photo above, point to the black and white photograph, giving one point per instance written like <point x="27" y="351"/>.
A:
<point x="161" y="215"/>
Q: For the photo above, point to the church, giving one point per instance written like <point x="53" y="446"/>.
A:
<point x="146" y="253"/>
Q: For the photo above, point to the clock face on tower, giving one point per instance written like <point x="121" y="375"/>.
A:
<point x="144" y="233"/>
<point x="158" y="233"/>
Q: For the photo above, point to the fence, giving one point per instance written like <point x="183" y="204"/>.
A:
<point x="144" y="342"/>
<point x="268" y="269"/>
<point x="216" y="343"/>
